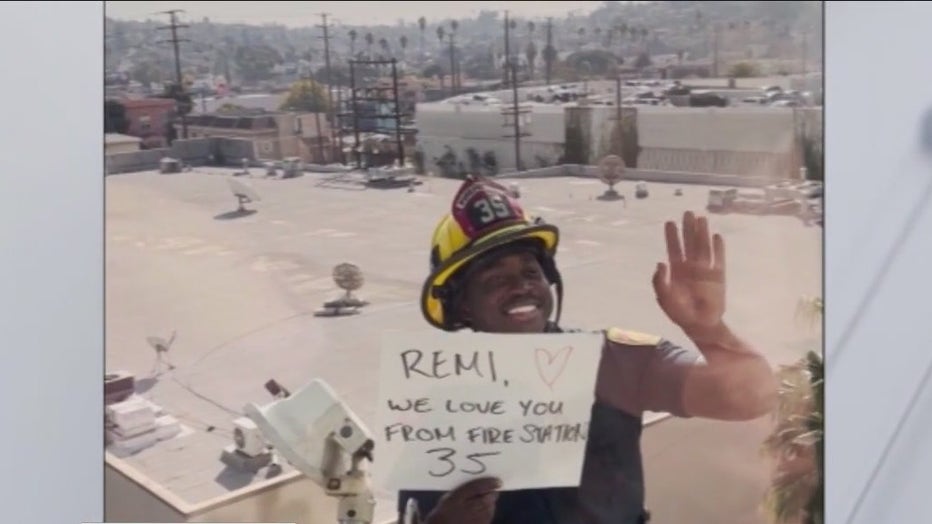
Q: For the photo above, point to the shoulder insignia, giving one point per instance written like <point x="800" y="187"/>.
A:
<point x="632" y="338"/>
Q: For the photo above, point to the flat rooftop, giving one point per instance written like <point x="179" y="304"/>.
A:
<point x="240" y="294"/>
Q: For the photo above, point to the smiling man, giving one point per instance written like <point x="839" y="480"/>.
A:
<point x="493" y="270"/>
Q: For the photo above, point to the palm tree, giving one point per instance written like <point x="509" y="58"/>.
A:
<point x="531" y="52"/>
<point x="422" y="25"/>
<point x="383" y="44"/>
<point x="353" y="35"/>
<point x="404" y="46"/>
<point x="796" y="443"/>
<point x="369" y="41"/>
<point x="441" y="32"/>
<point x="455" y="77"/>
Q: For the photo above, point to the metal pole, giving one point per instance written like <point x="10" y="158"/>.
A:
<point x="453" y="90"/>
<point x="517" y="123"/>
<point x="401" y="150"/>
<point x="330" y="113"/>
<point x="619" y="115"/>
<point x="507" y="51"/>
<point x="355" y="114"/>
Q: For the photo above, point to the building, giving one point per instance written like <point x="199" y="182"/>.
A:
<point x="751" y="141"/>
<point x="276" y="135"/>
<point x="149" y="119"/>
<point x="115" y="143"/>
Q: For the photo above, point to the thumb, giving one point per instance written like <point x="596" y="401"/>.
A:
<point x="659" y="280"/>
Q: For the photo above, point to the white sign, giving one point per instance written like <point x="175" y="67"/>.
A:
<point x="458" y="406"/>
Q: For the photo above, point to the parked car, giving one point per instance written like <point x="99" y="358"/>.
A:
<point x="707" y="99"/>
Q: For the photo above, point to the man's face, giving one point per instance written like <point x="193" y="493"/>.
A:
<point x="509" y="294"/>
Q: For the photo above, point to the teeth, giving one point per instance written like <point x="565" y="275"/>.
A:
<point x="522" y="309"/>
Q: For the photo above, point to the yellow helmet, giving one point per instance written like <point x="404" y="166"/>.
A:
<point x="484" y="217"/>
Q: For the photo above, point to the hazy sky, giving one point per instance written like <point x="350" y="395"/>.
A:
<point x="296" y="14"/>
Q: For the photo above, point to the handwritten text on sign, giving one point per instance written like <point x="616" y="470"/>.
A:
<point x="456" y="406"/>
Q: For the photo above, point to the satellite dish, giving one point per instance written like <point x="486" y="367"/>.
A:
<point x="161" y="347"/>
<point x="349" y="278"/>
<point x="243" y="193"/>
<point x="611" y="171"/>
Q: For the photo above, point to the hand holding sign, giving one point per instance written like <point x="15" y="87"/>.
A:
<point x="470" y="503"/>
<point x="454" y="407"/>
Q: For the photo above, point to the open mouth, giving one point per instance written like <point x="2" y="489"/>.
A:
<point x="523" y="311"/>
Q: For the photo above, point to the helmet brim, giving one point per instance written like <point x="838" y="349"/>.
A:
<point x="431" y="305"/>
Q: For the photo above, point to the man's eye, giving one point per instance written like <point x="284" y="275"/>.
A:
<point x="531" y="273"/>
<point x="495" y="281"/>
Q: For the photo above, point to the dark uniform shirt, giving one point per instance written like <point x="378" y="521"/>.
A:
<point x="637" y="373"/>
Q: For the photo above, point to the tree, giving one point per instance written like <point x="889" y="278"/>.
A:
<point x="441" y="32"/>
<point x="600" y="62"/>
<point x="115" y="117"/>
<point x="146" y="72"/>
<point x="550" y="58"/>
<point x="370" y="39"/>
<point x="432" y="71"/>
<point x="422" y="26"/>
<point x="306" y="96"/>
<point x="797" y="442"/>
<point x="531" y="53"/>
<point x="642" y="61"/>
<point x="353" y="35"/>
<point x="183" y="102"/>
<point x="404" y="45"/>
<point x="256" y="62"/>
<point x="743" y="70"/>
<point x="383" y="44"/>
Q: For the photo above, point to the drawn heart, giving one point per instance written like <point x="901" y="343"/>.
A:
<point x="551" y="365"/>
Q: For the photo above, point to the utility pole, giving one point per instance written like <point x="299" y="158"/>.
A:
<point x="515" y="112"/>
<point x="320" y="136"/>
<point x="717" y="30"/>
<point x="507" y="67"/>
<point x="548" y="50"/>
<point x="517" y="115"/>
<point x="175" y="41"/>
<point x="453" y="85"/>
<point x="326" y="39"/>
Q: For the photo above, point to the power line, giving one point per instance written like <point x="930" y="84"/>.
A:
<point x="172" y="14"/>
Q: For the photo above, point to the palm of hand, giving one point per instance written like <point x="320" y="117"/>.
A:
<point x="692" y="291"/>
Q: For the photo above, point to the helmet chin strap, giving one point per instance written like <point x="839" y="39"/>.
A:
<point x="559" y="286"/>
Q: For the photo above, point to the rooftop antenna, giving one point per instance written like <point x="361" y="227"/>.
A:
<point x="161" y="346"/>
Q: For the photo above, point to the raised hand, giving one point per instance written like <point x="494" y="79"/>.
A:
<point x="691" y="290"/>
<point x="470" y="503"/>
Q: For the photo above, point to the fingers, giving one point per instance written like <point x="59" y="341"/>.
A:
<point x="674" y="250"/>
<point x="689" y="235"/>
<point x="696" y="239"/>
<point x="470" y="503"/>
<point x="660" y="279"/>
<point x="718" y="246"/>
<point x="476" y="488"/>
<point x="703" y="243"/>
